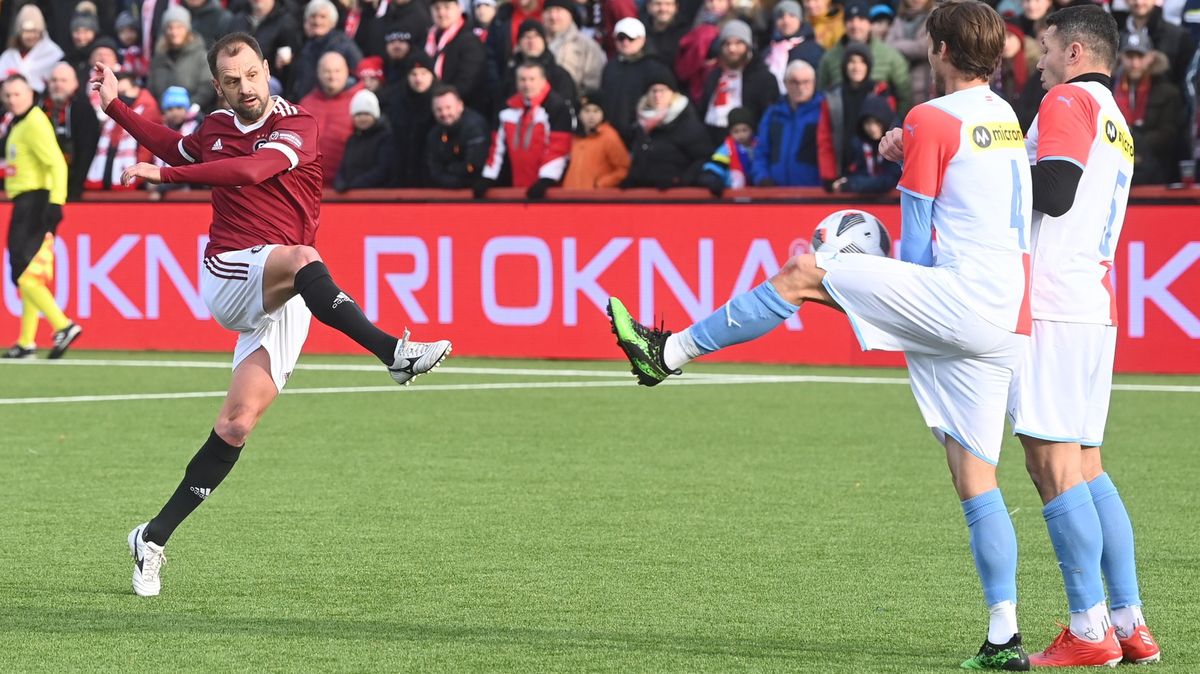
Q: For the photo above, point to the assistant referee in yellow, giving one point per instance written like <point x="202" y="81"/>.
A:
<point x="36" y="181"/>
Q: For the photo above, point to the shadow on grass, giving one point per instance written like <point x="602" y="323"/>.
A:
<point x="43" y="620"/>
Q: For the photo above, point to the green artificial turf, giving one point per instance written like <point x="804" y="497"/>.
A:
<point x="788" y="526"/>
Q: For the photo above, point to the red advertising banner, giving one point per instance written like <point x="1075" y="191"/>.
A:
<point x="530" y="281"/>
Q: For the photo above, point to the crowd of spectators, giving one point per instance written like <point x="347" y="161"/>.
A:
<point x="586" y="94"/>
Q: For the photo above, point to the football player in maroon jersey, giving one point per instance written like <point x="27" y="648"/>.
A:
<point x="262" y="277"/>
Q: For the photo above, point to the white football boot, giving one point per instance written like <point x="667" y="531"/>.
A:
<point x="148" y="559"/>
<point x="414" y="359"/>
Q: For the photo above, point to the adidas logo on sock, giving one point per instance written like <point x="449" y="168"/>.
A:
<point x="341" y="297"/>
<point x="202" y="492"/>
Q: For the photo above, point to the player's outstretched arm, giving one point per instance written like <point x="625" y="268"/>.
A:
<point x="163" y="142"/>
<point x="249" y="169"/>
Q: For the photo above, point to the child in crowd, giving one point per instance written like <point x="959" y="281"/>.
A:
<point x="733" y="158"/>
<point x="181" y="115"/>
<point x="598" y="157"/>
<point x="870" y="173"/>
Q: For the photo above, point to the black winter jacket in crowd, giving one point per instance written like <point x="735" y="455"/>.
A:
<point x="455" y="155"/>
<point x="278" y="29"/>
<point x="623" y="83"/>
<point x="369" y="158"/>
<point x="411" y="117"/>
<point x="465" y="64"/>
<point x="411" y="17"/>
<point x="673" y="152"/>
<point x="760" y="90"/>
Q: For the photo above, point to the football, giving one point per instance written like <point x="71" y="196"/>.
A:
<point x="852" y="231"/>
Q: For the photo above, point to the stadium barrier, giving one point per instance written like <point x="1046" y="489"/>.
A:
<point x="509" y="279"/>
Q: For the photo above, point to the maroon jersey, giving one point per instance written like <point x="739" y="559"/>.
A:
<point x="283" y="207"/>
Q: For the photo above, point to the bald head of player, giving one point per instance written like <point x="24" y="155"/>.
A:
<point x="1078" y="40"/>
<point x="241" y="76"/>
<point x="966" y="39"/>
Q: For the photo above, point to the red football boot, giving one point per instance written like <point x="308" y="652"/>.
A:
<point x="1140" y="648"/>
<point x="1069" y="650"/>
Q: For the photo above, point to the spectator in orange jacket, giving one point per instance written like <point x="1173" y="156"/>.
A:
<point x="329" y="103"/>
<point x="598" y="157"/>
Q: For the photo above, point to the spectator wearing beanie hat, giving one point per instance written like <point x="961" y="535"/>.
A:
<point x="180" y="59"/>
<point x="329" y="104"/>
<point x="277" y="28"/>
<point x="459" y="58"/>
<point x="838" y="143"/>
<point x="410" y="111"/>
<point x="598" y="157"/>
<point x="731" y="163"/>
<point x="792" y="39"/>
<point x="502" y="34"/>
<point x="532" y="46"/>
<point x="738" y="81"/>
<point x="182" y="117"/>
<point x="31" y="52"/>
<point x="484" y="13"/>
<point x="370" y="151"/>
<point x="627" y="76"/>
<point x="370" y="74"/>
<point x="694" y="61"/>
<point x="888" y="65"/>
<point x="84" y="29"/>
<point x="576" y="53"/>
<point x="670" y="144"/>
<point x="132" y="57"/>
<point x="882" y="15"/>
<point x="381" y="17"/>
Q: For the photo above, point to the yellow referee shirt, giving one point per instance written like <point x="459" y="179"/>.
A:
<point x="35" y="161"/>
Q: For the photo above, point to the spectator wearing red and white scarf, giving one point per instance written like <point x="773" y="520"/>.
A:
<point x="117" y="149"/>
<point x="459" y="58"/>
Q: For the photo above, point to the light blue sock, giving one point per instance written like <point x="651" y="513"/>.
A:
<point x="1078" y="543"/>
<point x="1117" y="561"/>
<point x="994" y="546"/>
<point x="748" y="316"/>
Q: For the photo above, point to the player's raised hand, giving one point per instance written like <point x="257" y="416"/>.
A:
<point x="141" y="171"/>
<point x="104" y="81"/>
<point x="892" y="145"/>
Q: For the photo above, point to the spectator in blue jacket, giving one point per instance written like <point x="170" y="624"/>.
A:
<point x="786" y="150"/>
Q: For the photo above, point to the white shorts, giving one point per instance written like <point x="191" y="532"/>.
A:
<point x="232" y="288"/>
<point x="1062" y="389"/>
<point x="960" y="366"/>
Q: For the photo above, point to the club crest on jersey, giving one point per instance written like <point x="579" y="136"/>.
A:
<point x="997" y="136"/>
<point x="259" y="143"/>
<point x="1118" y="138"/>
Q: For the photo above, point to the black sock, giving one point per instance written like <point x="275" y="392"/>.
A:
<point x="205" y="471"/>
<point x="334" y="308"/>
